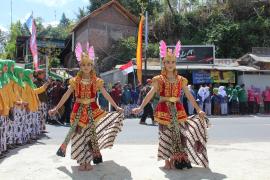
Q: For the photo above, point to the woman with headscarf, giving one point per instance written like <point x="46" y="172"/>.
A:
<point x="31" y="98"/>
<point x="4" y="120"/>
<point x="20" y="107"/>
<point x="18" y="113"/>
<point x="207" y="101"/>
<point x="234" y="101"/>
<point x="4" y="112"/>
<point x="190" y="106"/>
<point x="223" y="100"/>
<point x="215" y="100"/>
<point x="201" y="97"/>
<point x="8" y="88"/>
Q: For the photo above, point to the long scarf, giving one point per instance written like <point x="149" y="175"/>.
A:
<point x="10" y="74"/>
<point x="1" y="67"/>
<point x="17" y="71"/>
<point x="94" y="142"/>
<point x="27" y="79"/>
<point x="4" y="78"/>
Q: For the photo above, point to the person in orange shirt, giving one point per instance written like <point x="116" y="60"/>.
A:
<point x="4" y="110"/>
<point x="88" y="133"/>
<point x="182" y="141"/>
<point x="30" y="96"/>
<point x="8" y="88"/>
<point x="19" y="107"/>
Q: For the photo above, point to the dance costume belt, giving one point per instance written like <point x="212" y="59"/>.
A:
<point x="169" y="99"/>
<point x="85" y="101"/>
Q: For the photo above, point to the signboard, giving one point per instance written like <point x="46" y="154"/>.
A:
<point x="201" y="77"/>
<point x="201" y="54"/>
<point x="223" y="76"/>
<point x="197" y="54"/>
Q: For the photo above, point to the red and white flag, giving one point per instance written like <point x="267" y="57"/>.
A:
<point x="127" y="68"/>
<point x="30" y="23"/>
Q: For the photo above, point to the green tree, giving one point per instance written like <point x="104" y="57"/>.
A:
<point x="64" y="21"/>
<point x="3" y="39"/>
<point x="81" y="13"/>
<point x="15" y="31"/>
<point x="134" y="6"/>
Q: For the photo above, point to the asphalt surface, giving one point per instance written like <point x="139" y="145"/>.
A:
<point x="238" y="149"/>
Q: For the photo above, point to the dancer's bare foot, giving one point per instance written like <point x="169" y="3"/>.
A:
<point x="88" y="167"/>
<point x="172" y="164"/>
<point x="167" y="165"/>
<point x="82" y="167"/>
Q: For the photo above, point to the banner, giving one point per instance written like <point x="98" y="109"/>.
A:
<point x="139" y="51"/>
<point x="223" y="76"/>
<point x="30" y="23"/>
<point x="201" y="77"/>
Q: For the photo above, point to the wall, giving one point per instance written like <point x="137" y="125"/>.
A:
<point x="257" y="80"/>
<point x="112" y="77"/>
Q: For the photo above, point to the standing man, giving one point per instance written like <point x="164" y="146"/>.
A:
<point x="148" y="109"/>
<point x="43" y="98"/>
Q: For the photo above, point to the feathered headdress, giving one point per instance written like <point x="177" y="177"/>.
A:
<point x="87" y="56"/>
<point x="167" y="54"/>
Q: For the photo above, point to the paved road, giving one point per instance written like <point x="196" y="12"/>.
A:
<point x="238" y="149"/>
<point x="223" y="130"/>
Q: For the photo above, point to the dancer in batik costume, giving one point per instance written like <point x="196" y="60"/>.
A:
<point x="182" y="140"/>
<point x="92" y="129"/>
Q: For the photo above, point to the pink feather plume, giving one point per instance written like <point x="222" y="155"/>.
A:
<point x="177" y="49"/>
<point x="78" y="51"/>
<point x="91" y="53"/>
<point x="162" y="49"/>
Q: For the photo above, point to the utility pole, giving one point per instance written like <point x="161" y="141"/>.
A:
<point x="10" y="12"/>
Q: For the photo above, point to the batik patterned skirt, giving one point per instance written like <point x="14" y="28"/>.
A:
<point x="43" y="111"/>
<point x="19" y="116"/>
<point x="106" y="130"/>
<point x="193" y="136"/>
<point x="3" y="133"/>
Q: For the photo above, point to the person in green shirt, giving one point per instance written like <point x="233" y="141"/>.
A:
<point x="234" y="102"/>
<point x="242" y="96"/>
<point x="229" y="90"/>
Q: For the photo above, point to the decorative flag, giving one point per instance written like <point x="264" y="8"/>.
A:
<point x="30" y="23"/>
<point x="127" y="68"/>
<point x="139" y="51"/>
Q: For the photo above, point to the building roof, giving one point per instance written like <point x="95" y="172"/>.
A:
<point x="260" y="58"/>
<point x="255" y="57"/>
<point x="200" y="67"/>
<point x="114" y="3"/>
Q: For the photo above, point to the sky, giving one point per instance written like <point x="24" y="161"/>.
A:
<point x="50" y="10"/>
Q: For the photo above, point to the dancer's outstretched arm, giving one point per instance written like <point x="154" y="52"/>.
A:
<point x="193" y="102"/>
<point x="146" y="100"/>
<point x="110" y="99"/>
<point x="62" y="101"/>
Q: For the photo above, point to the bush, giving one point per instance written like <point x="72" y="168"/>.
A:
<point x="54" y="62"/>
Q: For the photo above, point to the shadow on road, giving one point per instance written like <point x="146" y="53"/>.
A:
<point x="196" y="173"/>
<point x="108" y="170"/>
<point x="14" y="151"/>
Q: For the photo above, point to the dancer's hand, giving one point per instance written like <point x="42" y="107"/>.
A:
<point x="201" y="115"/>
<point x="137" y="110"/>
<point x="52" y="112"/>
<point x="121" y="110"/>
